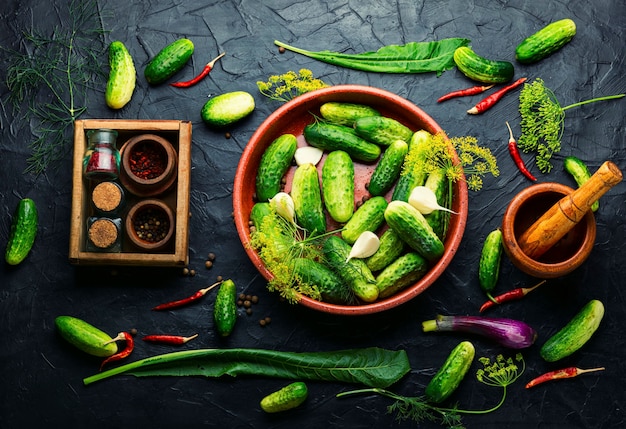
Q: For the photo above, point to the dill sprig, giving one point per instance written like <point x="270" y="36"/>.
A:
<point x="542" y="121"/>
<point x="60" y="67"/>
<point x="499" y="373"/>
<point x="290" y="85"/>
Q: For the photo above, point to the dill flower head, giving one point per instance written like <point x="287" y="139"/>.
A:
<point x="502" y="372"/>
<point x="290" y="85"/>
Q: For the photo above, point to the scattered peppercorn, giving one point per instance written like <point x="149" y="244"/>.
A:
<point x="281" y="50"/>
<point x="219" y="278"/>
<point x="208" y="264"/>
<point x="185" y="271"/>
<point x="211" y="256"/>
<point x="227" y="135"/>
<point x="133" y="332"/>
<point x="192" y="272"/>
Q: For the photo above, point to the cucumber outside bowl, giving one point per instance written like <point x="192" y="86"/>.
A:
<point x="292" y="117"/>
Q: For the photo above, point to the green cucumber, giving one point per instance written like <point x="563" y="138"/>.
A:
<point x="390" y="248"/>
<point x="338" y="185"/>
<point x="329" y="284"/>
<point x="168" y="61"/>
<point x="411" y="175"/>
<point x="439" y="183"/>
<point x="23" y="231"/>
<point x="546" y="41"/>
<point x="225" y="308"/>
<point x="368" y="217"/>
<point x="340" y="113"/>
<point x="580" y="172"/>
<point x="382" y="130"/>
<point x="388" y="168"/>
<point x="482" y="69"/>
<point x="122" y="76"/>
<point x="339" y="137"/>
<point x="258" y="212"/>
<point x="286" y="398"/>
<point x="451" y="373"/>
<point x="275" y="162"/>
<point x="412" y="227"/>
<point x="404" y="271"/>
<point x="226" y="109"/>
<point x="307" y="199"/>
<point x="575" y="334"/>
<point x="489" y="264"/>
<point x="85" y="337"/>
<point x="353" y="272"/>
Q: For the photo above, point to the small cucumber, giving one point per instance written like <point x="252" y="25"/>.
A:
<point x="353" y="272"/>
<point x="579" y="171"/>
<point x="258" y="212"/>
<point x="338" y="185"/>
<point x="382" y="130"/>
<point x="340" y="113"/>
<point x="489" y="265"/>
<point x="368" y="217"/>
<point x="575" y="334"/>
<point x="85" y="337"/>
<point x="411" y="176"/>
<point x="225" y="308"/>
<point x="330" y="285"/>
<point x="339" y="137"/>
<point x="307" y="199"/>
<point x="546" y="41"/>
<point x="390" y="248"/>
<point x="122" y="76"/>
<point x="226" y="109"/>
<point x="168" y="61"/>
<point x="482" y="69"/>
<point x="286" y="398"/>
<point x="452" y="372"/>
<point x="404" y="271"/>
<point x="412" y="227"/>
<point x="274" y="163"/>
<point x="388" y="169"/>
<point x="23" y="232"/>
<point x="438" y="182"/>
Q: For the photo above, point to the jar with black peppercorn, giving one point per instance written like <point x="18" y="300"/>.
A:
<point x="102" y="159"/>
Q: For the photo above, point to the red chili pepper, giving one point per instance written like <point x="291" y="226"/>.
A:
<point x="488" y="102"/>
<point x="514" y="151"/>
<point x="569" y="372"/>
<point x="204" y="73"/>
<point x="130" y="345"/>
<point x="511" y="295"/>
<point x="185" y="301"/>
<point x="168" y="339"/>
<point x="464" y="92"/>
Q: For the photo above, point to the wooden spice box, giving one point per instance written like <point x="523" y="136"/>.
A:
<point x="178" y="133"/>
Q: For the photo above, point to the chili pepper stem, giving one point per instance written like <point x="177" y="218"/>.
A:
<point x="527" y="290"/>
<point x="207" y="289"/>
<point x="491" y="298"/>
<point x="187" y="339"/>
<point x="214" y="60"/>
<point x="119" y="337"/>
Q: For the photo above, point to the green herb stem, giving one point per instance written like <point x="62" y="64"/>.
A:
<point x="593" y="100"/>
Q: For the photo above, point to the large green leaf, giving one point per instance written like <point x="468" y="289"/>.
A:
<point x="374" y="367"/>
<point x="414" y="57"/>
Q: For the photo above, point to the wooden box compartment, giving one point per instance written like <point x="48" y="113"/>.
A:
<point x="178" y="133"/>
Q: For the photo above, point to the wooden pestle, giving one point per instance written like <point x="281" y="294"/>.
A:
<point x="567" y="212"/>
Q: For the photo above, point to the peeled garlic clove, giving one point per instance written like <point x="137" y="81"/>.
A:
<point x="282" y="203"/>
<point x="425" y="200"/>
<point x="365" y="246"/>
<point x="308" y="155"/>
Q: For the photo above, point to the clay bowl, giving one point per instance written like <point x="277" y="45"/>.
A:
<point x="150" y="208"/>
<point x="292" y="118"/>
<point x="567" y="254"/>
<point x="164" y="151"/>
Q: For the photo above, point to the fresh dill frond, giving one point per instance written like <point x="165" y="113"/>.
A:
<point x="290" y="85"/>
<point x="543" y="121"/>
<point x="61" y="67"/>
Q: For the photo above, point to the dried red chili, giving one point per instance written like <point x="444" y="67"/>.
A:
<point x="168" y="339"/>
<point x="148" y="161"/>
<point x="130" y="345"/>
<point x="490" y="101"/>
<point x="188" y="300"/>
<point x="204" y="73"/>
<point x="517" y="158"/>
<point x="511" y="295"/>
<point x="558" y="374"/>
<point x="464" y="92"/>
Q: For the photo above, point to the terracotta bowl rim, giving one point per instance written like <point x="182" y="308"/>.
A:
<point x="336" y="93"/>
<point x="130" y="230"/>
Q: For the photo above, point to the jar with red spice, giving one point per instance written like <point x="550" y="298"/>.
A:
<point x="102" y="159"/>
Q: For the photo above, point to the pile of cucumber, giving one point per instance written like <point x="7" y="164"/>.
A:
<point x="409" y="241"/>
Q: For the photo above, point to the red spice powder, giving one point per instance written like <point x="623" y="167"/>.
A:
<point x="148" y="161"/>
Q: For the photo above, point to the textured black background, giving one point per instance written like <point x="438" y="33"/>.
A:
<point x="42" y="376"/>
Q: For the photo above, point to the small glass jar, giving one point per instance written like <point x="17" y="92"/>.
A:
<point x="108" y="198"/>
<point x="104" y="234"/>
<point x="102" y="159"/>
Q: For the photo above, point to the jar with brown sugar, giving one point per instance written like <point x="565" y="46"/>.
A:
<point x="104" y="234"/>
<point x="108" y="198"/>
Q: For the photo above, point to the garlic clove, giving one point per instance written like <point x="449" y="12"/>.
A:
<point x="365" y="246"/>
<point x="283" y="204"/>
<point x="425" y="200"/>
<point x="308" y="155"/>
